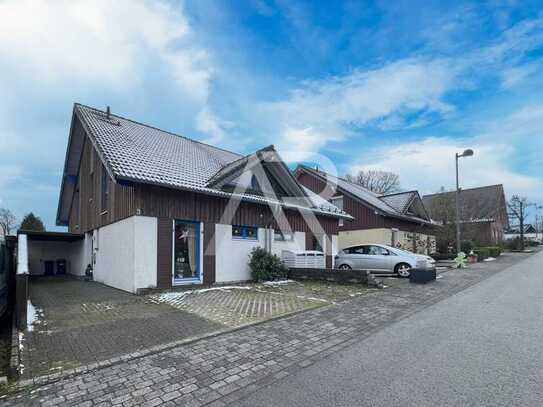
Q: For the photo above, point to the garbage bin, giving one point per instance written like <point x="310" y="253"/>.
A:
<point x="61" y="266"/>
<point x="422" y="276"/>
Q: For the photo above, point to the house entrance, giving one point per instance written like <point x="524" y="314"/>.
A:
<point x="186" y="252"/>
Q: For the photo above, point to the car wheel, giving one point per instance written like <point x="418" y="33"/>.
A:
<point x="345" y="267"/>
<point x="403" y="270"/>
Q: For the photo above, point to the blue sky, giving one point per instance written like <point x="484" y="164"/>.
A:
<point x="352" y="85"/>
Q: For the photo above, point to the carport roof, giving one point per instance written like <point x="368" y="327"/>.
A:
<point x="51" y="236"/>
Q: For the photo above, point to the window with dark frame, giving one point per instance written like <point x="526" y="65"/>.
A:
<point x="244" y="232"/>
<point x="105" y="190"/>
<point x="76" y="207"/>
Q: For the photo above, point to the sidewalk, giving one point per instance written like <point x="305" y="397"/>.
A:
<point x="224" y="368"/>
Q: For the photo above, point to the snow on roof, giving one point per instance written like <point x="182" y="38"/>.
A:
<point x="388" y="204"/>
<point x="137" y="152"/>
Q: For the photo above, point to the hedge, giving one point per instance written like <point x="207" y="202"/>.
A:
<point x="486" y="252"/>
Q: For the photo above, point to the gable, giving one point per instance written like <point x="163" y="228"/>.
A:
<point x="134" y="153"/>
<point x="393" y="205"/>
<point x="482" y="203"/>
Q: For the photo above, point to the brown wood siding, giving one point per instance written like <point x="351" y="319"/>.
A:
<point x="365" y="217"/>
<point x="121" y="200"/>
<point x="176" y="204"/>
<point x="209" y="253"/>
<point x="164" y="253"/>
<point x="313" y="183"/>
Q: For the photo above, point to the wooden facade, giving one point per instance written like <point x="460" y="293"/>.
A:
<point x="89" y="211"/>
<point x="365" y="216"/>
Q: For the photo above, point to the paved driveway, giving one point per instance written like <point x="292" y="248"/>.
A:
<point x="79" y="323"/>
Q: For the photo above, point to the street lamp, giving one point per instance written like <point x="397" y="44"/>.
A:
<point x="466" y="153"/>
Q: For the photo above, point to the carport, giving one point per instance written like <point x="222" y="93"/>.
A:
<point x="56" y="253"/>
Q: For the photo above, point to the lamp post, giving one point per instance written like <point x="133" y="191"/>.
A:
<point x="466" y="153"/>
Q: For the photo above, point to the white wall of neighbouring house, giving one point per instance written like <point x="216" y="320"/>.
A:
<point x="126" y="253"/>
<point x="40" y="251"/>
<point x="364" y="236"/>
<point x="296" y="244"/>
<point x="232" y="255"/>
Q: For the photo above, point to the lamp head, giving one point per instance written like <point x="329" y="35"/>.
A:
<point x="467" y="153"/>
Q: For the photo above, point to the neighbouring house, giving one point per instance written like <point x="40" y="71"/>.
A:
<point x="530" y="233"/>
<point x="483" y="214"/>
<point x="151" y="209"/>
<point x="399" y="219"/>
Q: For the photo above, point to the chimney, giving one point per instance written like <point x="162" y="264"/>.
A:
<point x="108" y="112"/>
<point x="317" y="168"/>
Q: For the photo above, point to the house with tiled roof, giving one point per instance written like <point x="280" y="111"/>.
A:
<point x="483" y="212"/>
<point x="398" y="219"/>
<point x="155" y="209"/>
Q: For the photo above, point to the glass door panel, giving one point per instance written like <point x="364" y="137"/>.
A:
<point x="186" y="254"/>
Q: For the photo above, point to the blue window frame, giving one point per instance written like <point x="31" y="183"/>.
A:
<point x="244" y="232"/>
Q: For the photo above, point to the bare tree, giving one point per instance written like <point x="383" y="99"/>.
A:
<point x="8" y="221"/>
<point x="380" y="182"/>
<point x="517" y="212"/>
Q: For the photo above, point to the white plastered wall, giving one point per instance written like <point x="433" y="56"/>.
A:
<point x="296" y="244"/>
<point x="383" y="236"/>
<point x="355" y="237"/>
<point x="126" y="253"/>
<point x="232" y="255"/>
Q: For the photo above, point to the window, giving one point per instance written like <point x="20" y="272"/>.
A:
<point x="280" y="236"/>
<point x="91" y="160"/>
<point x="377" y="251"/>
<point x="337" y="201"/>
<point x="356" y="250"/>
<point x="76" y="208"/>
<point x="105" y="189"/>
<point x="245" y="232"/>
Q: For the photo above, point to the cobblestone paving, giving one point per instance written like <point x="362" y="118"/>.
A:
<point x="85" y="322"/>
<point x="222" y="369"/>
<point x="233" y="306"/>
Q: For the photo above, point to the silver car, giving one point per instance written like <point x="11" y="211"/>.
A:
<point x="381" y="258"/>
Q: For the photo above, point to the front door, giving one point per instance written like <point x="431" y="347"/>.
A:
<point x="49" y="267"/>
<point x="186" y="252"/>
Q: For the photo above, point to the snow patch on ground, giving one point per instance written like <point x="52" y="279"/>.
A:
<point x="174" y="295"/>
<point x="33" y="316"/>
<point x="275" y="283"/>
<point x="490" y="259"/>
<point x="312" y="298"/>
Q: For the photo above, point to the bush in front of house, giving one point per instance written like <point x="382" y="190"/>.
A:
<point x="482" y="253"/>
<point x="442" y="256"/>
<point x="266" y="266"/>
<point x="466" y="246"/>
<point x="494" y="251"/>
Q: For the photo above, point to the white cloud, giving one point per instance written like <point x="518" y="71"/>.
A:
<point x="429" y="164"/>
<point x="407" y="93"/>
<point x="329" y="110"/>
<point x="112" y="45"/>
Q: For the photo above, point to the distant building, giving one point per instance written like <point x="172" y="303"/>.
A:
<point x="483" y="212"/>
<point x="530" y="233"/>
<point x="398" y="220"/>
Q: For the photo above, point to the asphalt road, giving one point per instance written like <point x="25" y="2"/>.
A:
<point x="481" y="347"/>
